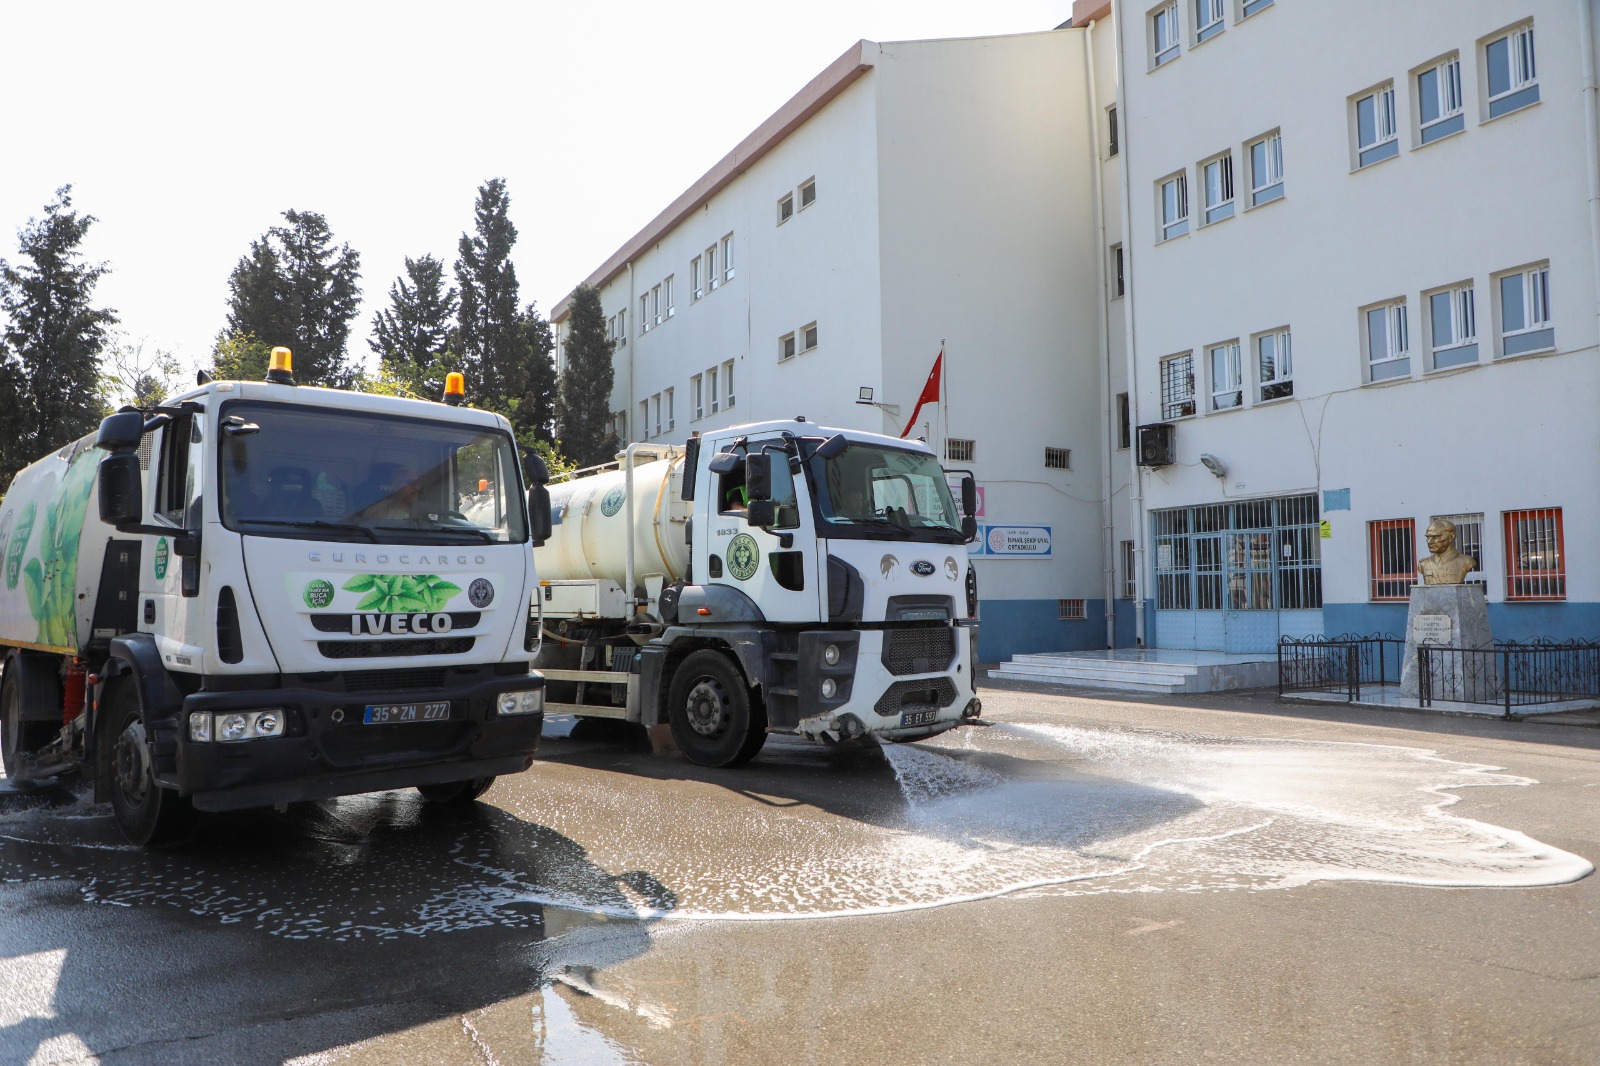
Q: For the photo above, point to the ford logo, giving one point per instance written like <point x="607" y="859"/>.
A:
<point x="922" y="568"/>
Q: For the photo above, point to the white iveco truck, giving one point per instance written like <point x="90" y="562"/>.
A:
<point x="768" y="578"/>
<point x="257" y="593"/>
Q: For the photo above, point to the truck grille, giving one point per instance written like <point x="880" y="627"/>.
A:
<point x="379" y="649"/>
<point x="340" y="623"/>
<point x="920" y="650"/>
<point x="394" y="680"/>
<point x="934" y="692"/>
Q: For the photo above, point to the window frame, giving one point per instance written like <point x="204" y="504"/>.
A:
<point x="785" y="207"/>
<point x="1162" y="16"/>
<point x="667" y="402"/>
<point x="1469" y="540"/>
<point x="1446" y="71"/>
<point x="696" y="290"/>
<point x="809" y="185"/>
<point x="810" y="336"/>
<point x="713" y="393"/>
<point x="1393" y="361"/>
<point x="1522" y="71"/>
<point x="1204" y="31"/>
<point x="1057" y="458"/>
<point x="1535" y="290"/>
<point x="727" y="256"/>
<point x="1176" y="225"/>
<point x="1463" y="326"/>
<point x="727" y="384"/>
<point x="666" y="295"/>
<point x="644" y="313"/>
<point x="1385" y="135"/>
<point x="697" y="396"/>
<point x="710" y="256"/>
<point x="1227" y="349"/>
<point x="1266" y="192"/>
<point x="1252" y="7"/>
<point x="787" y="347"/>
<point x="1119" y="278"/>
<point x="1174" y="400"/>
<point x="1278" y="380"/>
<point x="1386" y="582"/>
<point x="1212" y="213"/>
<point x="1113" y="135"/>
<point x="1525" y="583"/>
<point x="1130" y="585"/>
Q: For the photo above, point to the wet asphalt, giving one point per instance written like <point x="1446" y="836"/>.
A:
<point x="1091" y="880"/>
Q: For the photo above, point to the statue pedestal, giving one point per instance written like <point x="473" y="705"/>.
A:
<point x="1456" y="616"/>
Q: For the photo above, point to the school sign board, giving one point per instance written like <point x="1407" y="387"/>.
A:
<point x="1011" y="542"/>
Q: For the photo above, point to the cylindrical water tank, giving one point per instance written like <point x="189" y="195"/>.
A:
<point x="590" y="535"/>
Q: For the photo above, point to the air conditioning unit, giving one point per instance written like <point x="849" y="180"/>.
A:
<point x="1158" y="444"/>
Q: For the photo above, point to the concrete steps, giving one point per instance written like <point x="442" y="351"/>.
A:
<point x="1145" y="672"/>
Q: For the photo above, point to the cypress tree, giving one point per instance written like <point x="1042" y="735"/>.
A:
<point x="583" y="407"/>
<point x="412" y="335"/>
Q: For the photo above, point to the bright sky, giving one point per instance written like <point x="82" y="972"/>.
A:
<point x="186" y="129"/>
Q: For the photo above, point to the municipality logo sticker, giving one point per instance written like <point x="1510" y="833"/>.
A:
<point x="480" y="592"/>
<point x="163" y="556"/>
<point x="612" y="503"/>
<point x="318" y="593"/>
<point x="743" y="557"/>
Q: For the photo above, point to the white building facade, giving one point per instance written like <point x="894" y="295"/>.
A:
<point x="914" y="197"/>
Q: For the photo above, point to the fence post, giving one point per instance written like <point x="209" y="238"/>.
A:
<point x="1352" y="671"/>
<point x="1424" y="677"/>
<point x="1505" y="680"/>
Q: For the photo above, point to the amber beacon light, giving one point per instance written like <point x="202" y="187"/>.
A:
<point x="281" y="372"/>
<point x="455" y="389"/>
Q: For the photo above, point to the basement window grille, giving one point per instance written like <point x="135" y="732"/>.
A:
<point x="1072" y="610"/>
<point x="960" y="451"/>
<point x="1058" y="458"/>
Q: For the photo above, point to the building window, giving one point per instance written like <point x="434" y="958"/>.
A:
<point x="1510" y="72"/>
<point x="1266" y="169"/>
<point x="1207" y="19"/>
<point x="1217" y="178"/>
<point x="1392" y="555"/>
<point x="1119" y="284"/>
<point x="1058" y="458"/>
<point x="1534" y="566"/>
<point x="1439" y="104"/>
<point x="1227" y="376"/>
<point x="622" y="328"/>
<point x="727" y="258"/>
<point x="1124" y="421"/>
<point x="711" y="389"/>
<point x="1453" y="322"/>
<point x="1525" y="311"/>
<point x="712" y="278"/>
<point x="1177" y="386"/>
<point x="786" y="347"/>
<point x="655" y="404"/>
<point x="697" y="397"/>
<point x="1274" y="365"/>
<point x="696" y="290"/>
<point x="1469" y="538"/>
<point x="1250" y="7"/>
<point x="1376" y="136"/>
<point x="809" y="335"/>
<point x="1174" y="199"/>
<point x="1071" y="610"/>
<point x="655" y="305"/>
<point x="1388" y="341"/>
<point x="960" y="451"/>
<point x="727" y="382"/>
<point x="785" y="208"/>
<point x="666" y="294"/>
<point x="808" y="193"/>
<point x="1129" y="586"/>
<point x="1164" y="34"/>
<point x="644" y="313"/>
<point x="1254" y="555"/>
<point x="644" y="421"/>
<point x="1112" y="147"/>
<point x="666" y="399"/>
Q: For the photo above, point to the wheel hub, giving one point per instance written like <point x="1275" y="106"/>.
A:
<point x="707" y="707"/>
<point x="131" y="763"/>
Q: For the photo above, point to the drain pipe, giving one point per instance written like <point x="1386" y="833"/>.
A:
<point x="1591" y="133"/>
<point x="1107" y="525"/>
<point x="1125" y="143"/>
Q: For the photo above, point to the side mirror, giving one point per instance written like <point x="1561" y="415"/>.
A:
<point x="969" y="495"/>
<point x="762" y="513"/>
<point x="536" y="469"/>
<point x="724" y="463"/>
<point x="120" y="432"/>
<point x="758" y="477"/>
<point x="969" y="527"/>
<point x="833" y="446"/>
<point x="121" y="487"/>
<point x="539" y="520"/>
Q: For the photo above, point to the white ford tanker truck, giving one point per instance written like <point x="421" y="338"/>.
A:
<point x="769" y="578"/>
<point x="258" y="593"/>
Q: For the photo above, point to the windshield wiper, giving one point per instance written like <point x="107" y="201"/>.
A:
<point x="471" y="531"/>
<point x="314" y="523"/>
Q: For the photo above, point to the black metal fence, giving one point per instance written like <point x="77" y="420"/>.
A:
<point x="1508" y="675"/>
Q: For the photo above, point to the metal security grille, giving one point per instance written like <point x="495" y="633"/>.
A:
<point x="378" y="649"/>
<point x="1535" y="564"/>
<point x="960" y="451"/>
<point x="934" y="692"/>
<point x="1071" y="610"/>
<point x="1469" y="540"/>
<point x="1058" y="458"/>
<point x="1392" y="554"/>
<point x="919" y="650"/>
<point x="1177" y="386"/>
<point x="1255" y="555"/>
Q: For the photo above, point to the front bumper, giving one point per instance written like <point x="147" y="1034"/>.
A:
<point x="327" y="751"/>
<point x="880" y="699"/>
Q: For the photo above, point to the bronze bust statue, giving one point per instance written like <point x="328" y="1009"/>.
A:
<point x="1445" y="566"/>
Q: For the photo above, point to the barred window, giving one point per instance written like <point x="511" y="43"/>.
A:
<point x="1535" y="564"/>
<point x="1392" y="551"/>
<point x="1128" y="583"/>
<point x="1072" y="610"/>
<point x="960" y="451"/>
<point x="1469" y="539"/>
<point x="1254" y="555"/>
<point x="1058" y="458"/>
<point x="1177" y="386"/>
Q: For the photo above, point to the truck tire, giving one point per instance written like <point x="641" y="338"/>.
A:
<point x="456" y="793"/>
<point x="25" y="679"/>
<point x="146" y="813"/>
<point x="714" y="721"/>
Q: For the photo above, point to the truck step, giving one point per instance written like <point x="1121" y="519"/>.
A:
<point x="604" y="677"/>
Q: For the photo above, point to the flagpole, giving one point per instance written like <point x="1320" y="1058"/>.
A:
<point x="944" y="403"/>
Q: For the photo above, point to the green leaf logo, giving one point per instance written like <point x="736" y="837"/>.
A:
<point x="402" y="593"/>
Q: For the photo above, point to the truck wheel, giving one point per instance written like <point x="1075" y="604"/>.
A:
<point x="456" y="793"/>
<point x="146" y="813"/>
<point x="712" y="718"/>
<point x="17" y="736"/>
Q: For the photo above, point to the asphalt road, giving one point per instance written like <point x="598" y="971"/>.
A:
<point x="1087" y="881"/>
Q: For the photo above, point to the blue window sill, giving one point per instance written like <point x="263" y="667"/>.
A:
<point x="1444" y="128"/>
<point x="1378" y="153"/>
<point x="1514" y="102"/>
<point x="1267" y="195"/>
<point x="1461" y="355"/>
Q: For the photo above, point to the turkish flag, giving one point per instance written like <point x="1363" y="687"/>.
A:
<point x="930" y="394"/>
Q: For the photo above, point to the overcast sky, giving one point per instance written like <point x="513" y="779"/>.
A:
<point x="187" y="129"/>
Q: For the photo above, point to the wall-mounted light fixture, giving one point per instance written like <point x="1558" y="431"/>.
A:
<point x="1213" y="464"/>
<point x="864" y="396"/>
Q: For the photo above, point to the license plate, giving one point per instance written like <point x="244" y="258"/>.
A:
<point x="923" y="717"/>
<point x="392" y="713"/>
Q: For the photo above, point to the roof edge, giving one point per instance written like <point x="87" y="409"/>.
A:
<point x="817" y="94"/>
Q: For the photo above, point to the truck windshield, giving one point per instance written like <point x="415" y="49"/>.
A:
<point x="873" y="492"/>
<point x="317" y="473"/>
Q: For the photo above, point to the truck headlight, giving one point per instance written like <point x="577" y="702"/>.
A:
<point x="200" y="727"/>
<point x="529" y="701"/>
<point x="231" y="726"/>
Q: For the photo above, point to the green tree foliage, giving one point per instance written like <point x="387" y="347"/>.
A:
<point x="241" y="357"/>
<point x="505" y="350"/>
<point x="296" y="289"/>
<point x="583" y="406"/>
<point x="412" y="336"/>
<point x="53" y="340"/>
